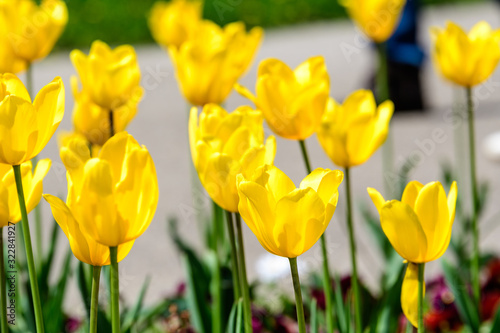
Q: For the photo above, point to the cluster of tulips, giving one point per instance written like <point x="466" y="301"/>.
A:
<point x="112" y="183"/>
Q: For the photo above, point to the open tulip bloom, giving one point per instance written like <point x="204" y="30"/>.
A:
<point x="292" y="101"/>
<point x="172" y="23"/>
<point x="209" y="64"/>
<point x="287" y="220"/>
<point x="419" y="228"/>
<point x="111" y="201"/>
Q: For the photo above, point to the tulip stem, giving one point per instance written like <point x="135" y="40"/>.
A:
<point x="38" y="213"/>
<point x="352" y="242"/>
<point x="111" y="124"/>
<point x="3" y="291"/>
<point x="298" y="295"/>
<point x="475" y="208"/>
<point x="421" y="268"/>
<point x="29" y="251"/>
<point x="327" y="286"/>
<point x="94" y="302"/>
<point x="382" y="94"/>
<point x="216" y="283"/>
<point x="115" y="290"/>
<point x="247" y="309"/>
<point x="234" y="256"/>
<point x="305" y="155"/>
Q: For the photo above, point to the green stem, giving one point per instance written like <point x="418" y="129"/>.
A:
<point x="234" y="256"/>
<point x="421" y="268"/>
<point x="29" y="252"/>
<point x="94" y="303"/>
<point x="382" y="94"/>
<point x="305" y="155"/>
<point x="3" y="291"/>
<point x="382" y="75"/>
<point x="247" y="309"/>
<point x="37" y="210"/>
<point x="216" y="284"/>
<point x="475" y="208"/>
<point x="352" y="242"/>
<point x="115" y="290"/>
<point x="111" y="124"/>
<point x="298" y="295"/>
<point x="327" y="286"/>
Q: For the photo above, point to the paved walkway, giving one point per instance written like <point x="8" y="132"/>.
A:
<point x="161" y="126"/>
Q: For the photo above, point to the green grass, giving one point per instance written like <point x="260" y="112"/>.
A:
<point x="125" y="21"/>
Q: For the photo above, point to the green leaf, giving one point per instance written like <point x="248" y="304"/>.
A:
<point x="314" y="317"/>
<point x="495" y="326"/>
<point x="235" y="321"/>
<point x="197" y="281"/>
<point x="465" y="304"/>
<point x="132" y="316"/>
<point x="342" y="316"/>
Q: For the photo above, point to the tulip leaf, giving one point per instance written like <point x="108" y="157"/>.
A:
<point x="495" y="326"/>
<point x="314" y="321"/>
<point x="342" y="317"/>
<point x="465" y="304"/>
<point x="235" y="321"/>
<point x="197" y="281"/>
<point x="132" y="316"/>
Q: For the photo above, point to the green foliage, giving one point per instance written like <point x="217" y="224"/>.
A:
<point x="125" y="21"/>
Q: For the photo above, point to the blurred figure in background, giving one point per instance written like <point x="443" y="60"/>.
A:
<point x="405" y="58"/>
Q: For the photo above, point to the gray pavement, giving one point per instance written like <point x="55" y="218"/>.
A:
<point x="161" y="125"/>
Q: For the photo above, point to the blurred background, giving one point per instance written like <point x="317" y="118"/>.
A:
<point x="424" y="129"/>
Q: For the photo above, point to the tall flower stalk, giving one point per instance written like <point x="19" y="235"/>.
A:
<point x="115" y="290"/>
<point x="352" y="244"/>
<point x="37" y="306"/>
<point x="327" y="286"/>
<point x="475" y="203"/>
<point x="468" y="59"/>
<point x="247" y="306"/>
<point x="94" y="299"/>
<point x="298" y="295"/>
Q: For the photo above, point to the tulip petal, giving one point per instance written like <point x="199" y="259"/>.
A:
<point x="14" y="86"/>
<point x="326" y="183"/>
<point x="402" y="227"/>
<point x="409" y="294"/>
<point x="377" y="198"/>
<point x="49" y="105"/>
<point x="274" y="180"/>
<point x="300" y="222"/>
<point x="255" y="206"/>
<point x="431" y="208"/>
<point x="34" y="191"/>
<point x="411" y="192"/>
<point x="18" y="130"/>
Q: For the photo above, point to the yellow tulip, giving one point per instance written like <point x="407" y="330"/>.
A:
<point x="378" y="19"/>
<point x="209" y="64"/>
<point x="110" y="77"/>
<point x="466" y="59"/>
<point x="224" y="145"/>
<point x="112" y="197"/>
<point x="419" y="228"/>
<point x="172" y="23"/>
<point x="84" y="247"/>
<point x="350" y="133"/>
<point x="33" y="29"/>
<point x="292" y="101"/>
<point x="26" y="127"/>
<point x="32" y="185"/>
<point x="92" y="120"/>
<point x="288" y="221"/>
